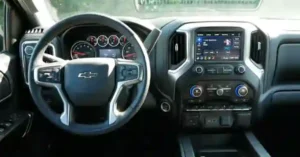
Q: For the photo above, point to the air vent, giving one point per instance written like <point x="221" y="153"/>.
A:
<point x="35" y="31"/>
<point x="258" y="48"/>
<point x="177" y="49"/>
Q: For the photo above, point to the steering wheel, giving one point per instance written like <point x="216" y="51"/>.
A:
<point x="89" y="82"/>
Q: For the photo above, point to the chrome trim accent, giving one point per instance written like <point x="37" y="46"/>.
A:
<point x="189" y="30"/>
<point x="256" y="145"/>
<point x="28" y="128"/>
<point x="98" y="40"/>
<point x="117" y="38"/>
<point x="162" y="107"/>
<point x="186" y="147"/>
<point x="23" y="56"/>
<point x="113" y="111"/>
<point x="66" y="116"/>
<point x="208" y="110"/>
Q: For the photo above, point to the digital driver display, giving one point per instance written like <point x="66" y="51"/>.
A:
<point x="218" y="46"/>
<point x="110" y="53"/>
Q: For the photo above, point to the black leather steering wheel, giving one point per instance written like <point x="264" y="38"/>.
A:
<point x="91" y="81"/>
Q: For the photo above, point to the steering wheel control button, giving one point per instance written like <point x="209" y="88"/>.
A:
<point x="241" y="69"/>
<point x="241" y="91"/>
<point x="199" y="69"/>
<point x="165" y="107"/>
<point x="49" y="74"/>
<point x="196" y="91"/>
<point x="127" y="72"/>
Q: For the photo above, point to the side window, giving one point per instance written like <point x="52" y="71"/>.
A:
<point x="1" y="24"/>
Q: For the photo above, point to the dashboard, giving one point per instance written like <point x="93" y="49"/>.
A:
<point x="208" y="74"/>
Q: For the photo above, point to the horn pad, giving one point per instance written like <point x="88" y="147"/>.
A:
<point x="90" y="82"/>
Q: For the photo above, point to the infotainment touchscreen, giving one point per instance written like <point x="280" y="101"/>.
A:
<point x="218" y="46"/>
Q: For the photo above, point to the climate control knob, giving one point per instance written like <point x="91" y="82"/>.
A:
<point x="220" y="92"/>
<point x="241" y="91"/>
<point x="196" y="91"/>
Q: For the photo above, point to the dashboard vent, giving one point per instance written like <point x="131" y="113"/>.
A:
<point x="177" y="49"/>
<point x="258" y="48"/>
<point x="35" y="31"/>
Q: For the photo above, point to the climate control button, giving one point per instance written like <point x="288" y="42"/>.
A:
<point x="196" y="91"/>
<point x="241" y="91"/>
<point x="220" y="92"/>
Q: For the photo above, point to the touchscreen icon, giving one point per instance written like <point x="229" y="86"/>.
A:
<point x="199" y="40"/>
<point x="227" y="42"/>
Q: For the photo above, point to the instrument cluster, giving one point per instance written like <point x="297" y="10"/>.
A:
<point x="103" y="45"/>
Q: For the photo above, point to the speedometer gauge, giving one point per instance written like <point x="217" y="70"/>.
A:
<point x="128" y="52"/>
<point x="82" y="49"/>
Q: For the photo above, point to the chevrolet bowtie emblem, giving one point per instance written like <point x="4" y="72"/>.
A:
<point x="87" y="75"/>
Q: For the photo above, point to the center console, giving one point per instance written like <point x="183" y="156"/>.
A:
<point x="217" y="86"/>
<point x="214" y="85"/>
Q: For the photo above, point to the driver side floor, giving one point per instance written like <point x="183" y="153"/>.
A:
<point x="116" y="144"/>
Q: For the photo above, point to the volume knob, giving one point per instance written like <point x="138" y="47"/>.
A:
<point x="196" y="91"/>
<point x="241" y="91"/>
<point x="241" y="69"/>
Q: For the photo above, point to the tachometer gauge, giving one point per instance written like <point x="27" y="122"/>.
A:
<point x="102" y="40"/>
<point x="123" y="40"/>
<point x="92" y="40"/>
<point x="113" y="40"/>
<point x="128" y="52"/>
<point x="82" y="49"/>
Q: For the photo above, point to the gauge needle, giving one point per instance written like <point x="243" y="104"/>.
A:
<point x="79" y="53"/>
<point x="130" y="55"/>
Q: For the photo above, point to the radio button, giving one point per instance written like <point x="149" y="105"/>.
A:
<point x="227" y="70"/>
<point x="211" y="70"/>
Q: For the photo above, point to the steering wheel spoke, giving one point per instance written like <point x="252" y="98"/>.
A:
<point x="67" y="114"/>
<point x="129" y="72"/>
<point x="48" y="75"/>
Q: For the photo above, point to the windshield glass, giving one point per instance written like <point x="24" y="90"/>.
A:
<point x="162" y="8"/>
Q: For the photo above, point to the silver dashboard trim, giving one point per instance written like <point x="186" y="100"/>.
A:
<point x="23" y="56"/>
<point x="189" y="30"/>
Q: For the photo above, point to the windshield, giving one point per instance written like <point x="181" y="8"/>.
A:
<point x="162" y="8"/>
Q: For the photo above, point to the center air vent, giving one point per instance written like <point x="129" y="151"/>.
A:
<point x="177" y="49"/>
<point x="258" y="48"/>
